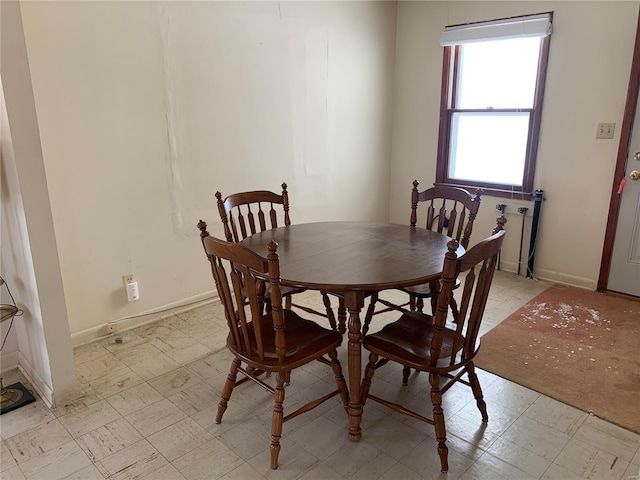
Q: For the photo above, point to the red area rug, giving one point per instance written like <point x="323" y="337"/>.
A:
<point x="577" y="346"/>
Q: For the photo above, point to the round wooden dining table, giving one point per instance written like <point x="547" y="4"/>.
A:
<point x="354" y="259"/>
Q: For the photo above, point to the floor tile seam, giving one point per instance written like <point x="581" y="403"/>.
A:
<point x="503" y="430"/>
<point x="528" y="475"/>
<point x="145" y="437"/>
<point x="599" y="447"/>
<point x="83" y="434"/>
<point x="528" y="450"/>
<point x="112" y="475"/>
<point x="161" y="455"/>
<point x="167" y="374"/>
<point x="89" y="378"/>
<point x="92" y="381"/>
<point x="267" y="447"/>
<point x="73" y="440"/>
<point x="93" y="358"/>
<point x="598" y="450"/>
<point x="402" y="461"/>
<point x="142" y="437"/>
<point x="577" y="427"/>
<point x="569" y="468"/>
<point x="551" y="465"/>
<point x="93" y="462"/>
<point x="137" y="409"/>
<point x="290" y="439"/>
<point x="364" y="440"/>
<point x="548" y="426"/>
<point x="123" y="356"/>
<point x="625" y="431"/>
<point x="328" y="464"/>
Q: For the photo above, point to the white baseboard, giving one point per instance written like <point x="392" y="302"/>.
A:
<point x="564" y="279"/>
<point x="127" y="323"/>
<point x="551" y="276"/>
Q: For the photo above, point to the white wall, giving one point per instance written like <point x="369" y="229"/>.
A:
<point x="587" y="79"/>
<point x="145" y="109"/>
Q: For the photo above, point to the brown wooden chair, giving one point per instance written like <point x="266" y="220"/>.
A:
<point x="450" y="211"/>
<point x="276" y="341"/>
<point x="434" y="345"/>
<point x="245" y="213"/>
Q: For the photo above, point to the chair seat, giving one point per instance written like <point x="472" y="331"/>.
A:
<point x="305" y="340"/>
<point x="408" y="341"/>
<point x="424" y="290"/>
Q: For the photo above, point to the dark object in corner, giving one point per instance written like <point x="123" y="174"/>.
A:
<point x="15" y="396"/>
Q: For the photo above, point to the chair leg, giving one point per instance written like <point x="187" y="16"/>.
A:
<point x="340" y="381"/>
<point x="342" y="316"/>
<point x="434" y="305"/>
<point x="368" y="375"/>
<point x="369" y="314"/>
<point x="477" y="391"/>
<point x="412" y="303"/>
<point x="406" y="372"/>
<point x="287" y="302"/>
<point x="438" y="419"/>
<point x="287" y="378"/>
<point x="419" y="304"/>
<point x="327" y="305"/>
<point x="276" y="420"/>
<point x="227" y="390"/>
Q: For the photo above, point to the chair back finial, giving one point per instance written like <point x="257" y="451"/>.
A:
<point x="202" y="226"/>
<point x="414" y="203"/>
<point x="285" y="204"/>
<point x="500" y="222"/>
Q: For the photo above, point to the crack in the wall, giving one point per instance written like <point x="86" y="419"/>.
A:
<point x="173" y="145"/>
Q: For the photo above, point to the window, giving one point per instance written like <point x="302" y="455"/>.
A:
<point x="492" y="88"/>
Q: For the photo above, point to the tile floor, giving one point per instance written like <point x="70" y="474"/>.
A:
<point x="150" y="404"/>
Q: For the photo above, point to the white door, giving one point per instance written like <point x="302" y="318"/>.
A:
<point x="624" y="274"/>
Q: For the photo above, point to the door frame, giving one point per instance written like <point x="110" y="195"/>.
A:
<point x="623" y="153"/>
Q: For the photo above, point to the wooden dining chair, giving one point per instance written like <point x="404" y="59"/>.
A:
<point x="428" y="343"/>
<point x="448" y="210"/>
<point x="278" y="340"/>
<point x="245" y="213"/>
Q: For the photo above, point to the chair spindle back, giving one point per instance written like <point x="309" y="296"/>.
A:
<point x="479" y="264"/>
<point x="246" y="213"/>
<point x="450" y="210"/>
<point x="239" y="274"/>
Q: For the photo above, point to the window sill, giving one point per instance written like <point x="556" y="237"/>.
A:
<point x="492" y="192"/>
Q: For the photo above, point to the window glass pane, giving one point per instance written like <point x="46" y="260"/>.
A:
<point x="489" y="147"/>
<point x="498" y="74"/>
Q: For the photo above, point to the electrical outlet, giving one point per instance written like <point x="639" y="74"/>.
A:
<point x="605" y="130"/>
<point x="111" y="327"/>
<point x="128" y="278"/>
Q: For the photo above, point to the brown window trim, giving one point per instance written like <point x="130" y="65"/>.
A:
<point x="447" y="101"/>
